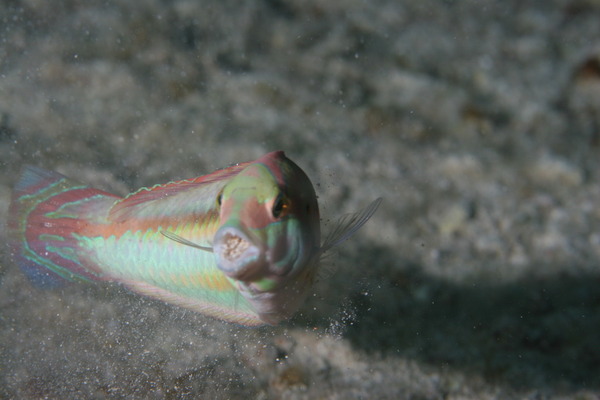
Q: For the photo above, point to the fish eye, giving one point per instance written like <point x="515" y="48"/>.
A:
<point x="219" y="198"/>
<point x="280" y="206"/>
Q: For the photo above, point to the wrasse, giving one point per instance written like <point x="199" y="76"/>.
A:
<point x="241" y="244"/>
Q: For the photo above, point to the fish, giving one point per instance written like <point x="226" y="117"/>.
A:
<point x="241" y="244"/>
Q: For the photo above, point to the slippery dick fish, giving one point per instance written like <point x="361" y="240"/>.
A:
<point x="241" y="244"/>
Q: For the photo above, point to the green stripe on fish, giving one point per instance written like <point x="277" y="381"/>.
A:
<point x="241" y="244"/>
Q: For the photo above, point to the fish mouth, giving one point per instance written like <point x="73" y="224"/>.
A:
<point x="237" y="255"/>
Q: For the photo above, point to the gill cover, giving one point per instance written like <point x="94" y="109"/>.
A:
<point x="269" y="225"/>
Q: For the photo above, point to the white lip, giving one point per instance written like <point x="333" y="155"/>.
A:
<point x="237" y="256"/>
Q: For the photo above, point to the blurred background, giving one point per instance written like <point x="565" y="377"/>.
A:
<point x="478" y="122"/>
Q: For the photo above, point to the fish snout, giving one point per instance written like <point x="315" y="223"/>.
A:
<point x="237" y="255"/>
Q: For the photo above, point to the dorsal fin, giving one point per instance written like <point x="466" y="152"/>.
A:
<point x="174" y="198"/>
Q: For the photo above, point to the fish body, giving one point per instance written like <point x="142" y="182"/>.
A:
<point x="241" y="244"/>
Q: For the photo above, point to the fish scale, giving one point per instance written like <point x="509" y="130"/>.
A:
<point x="241" y="244"/>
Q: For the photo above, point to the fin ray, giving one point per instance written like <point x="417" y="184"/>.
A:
<point x="46" y="210"/>
<point x="348" y="224"/>
<point x="172" y="198"/>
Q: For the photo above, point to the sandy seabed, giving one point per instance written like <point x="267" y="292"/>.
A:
<point x="477" y="121"/>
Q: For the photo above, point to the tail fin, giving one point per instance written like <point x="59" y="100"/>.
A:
<point x="46" y="212"/>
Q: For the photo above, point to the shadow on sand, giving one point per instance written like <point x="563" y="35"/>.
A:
<point x="529" y="334"/>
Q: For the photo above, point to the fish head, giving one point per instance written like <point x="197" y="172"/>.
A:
<point x="269" y="235"/>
